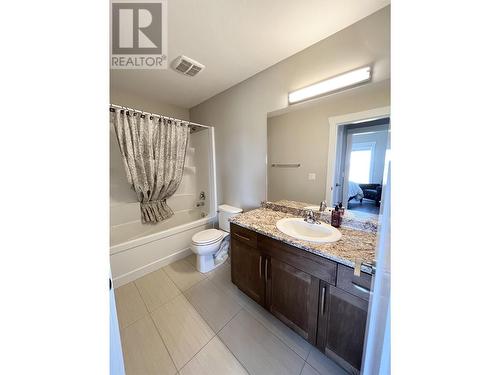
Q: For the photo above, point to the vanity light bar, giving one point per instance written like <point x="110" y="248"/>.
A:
<point x="332" y="84"/>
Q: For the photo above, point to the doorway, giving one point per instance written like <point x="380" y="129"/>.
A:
<point x="358" y="153"/>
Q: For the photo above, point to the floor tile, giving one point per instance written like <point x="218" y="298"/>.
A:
<point x="191" y="259"/>
<point x="214" y="359"/>
<point x="183" y="330"/>
<point x="323" y="364"/>
<point x="289" y="337"/>
<point x="129" y="304"/>
<point x="215" y="306"/>
<point x="308" y="370"/>
<point x="221" y="277"/>
<point x="183" y="274"/>
<point x="156" y="289"/>
<point x="143" y="350"/>
<point x="257" y="349"/>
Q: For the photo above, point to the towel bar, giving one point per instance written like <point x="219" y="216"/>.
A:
<point x="285" y="165"/>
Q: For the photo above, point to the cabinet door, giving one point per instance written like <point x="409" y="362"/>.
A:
<point x="341" y="326"/>
<point x="246" y="270"/>
<point x="292" y="296"/>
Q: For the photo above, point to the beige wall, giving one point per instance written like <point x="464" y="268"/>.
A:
<point x="301" y="136"/>
<point x="147" y="104"/>
<point x="239" y="114"/>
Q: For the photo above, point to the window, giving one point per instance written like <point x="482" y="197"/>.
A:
<point x="361" y="163"/>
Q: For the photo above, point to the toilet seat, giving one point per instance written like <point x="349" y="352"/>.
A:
<point x="208" y="237"/>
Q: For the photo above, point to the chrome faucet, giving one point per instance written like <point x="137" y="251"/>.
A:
<point x="310" y="217"/>
<point x="322" y="206"/>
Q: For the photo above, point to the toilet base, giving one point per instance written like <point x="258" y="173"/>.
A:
<point x="206" y="263"/>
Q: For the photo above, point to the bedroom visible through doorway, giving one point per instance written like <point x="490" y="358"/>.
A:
<point x="363" y="158"/>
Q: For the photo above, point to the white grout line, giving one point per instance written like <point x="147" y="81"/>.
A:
<point x="228" y="348"/>
<point x="156" y="327"/>
<point x="136" y="320"/>
<point x="302" y="369"/>
<point x="163" y="341"/>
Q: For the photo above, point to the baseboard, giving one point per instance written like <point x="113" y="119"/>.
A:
<point x="148" y="268"/>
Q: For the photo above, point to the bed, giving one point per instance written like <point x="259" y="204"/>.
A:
<point x="355" y="191"/>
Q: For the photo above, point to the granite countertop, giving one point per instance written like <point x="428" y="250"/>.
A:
<point x="351" y="219"/>
<point x="354" y="244"/>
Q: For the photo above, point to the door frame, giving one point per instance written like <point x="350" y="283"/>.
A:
<point x="336" y="134"/>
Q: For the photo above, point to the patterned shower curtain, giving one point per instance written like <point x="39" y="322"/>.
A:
<point x="153" y="151"/>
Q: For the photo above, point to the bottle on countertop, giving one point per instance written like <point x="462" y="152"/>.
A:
<point x="336" y="217"/>
<point x="341" y="209"/>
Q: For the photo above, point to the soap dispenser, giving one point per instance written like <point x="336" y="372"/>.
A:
<point x="336" y="217"/>
<point x="341" y="209"/>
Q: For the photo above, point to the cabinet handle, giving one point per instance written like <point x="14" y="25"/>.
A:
<point x="260" y="267"/>
<point x="242" y="237"/>
<point x="265" y="274"/>
<point x="323" y="291"/>
<point x="361" y="288"/>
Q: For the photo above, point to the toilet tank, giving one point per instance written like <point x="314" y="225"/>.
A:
<point x="225" y="212"/>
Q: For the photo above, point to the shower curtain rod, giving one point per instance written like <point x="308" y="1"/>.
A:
<point x="157" y="115"/>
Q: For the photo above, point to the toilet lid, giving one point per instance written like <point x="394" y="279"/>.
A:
<point x="208" y="236"/>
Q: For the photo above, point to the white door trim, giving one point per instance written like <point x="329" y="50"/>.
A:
<point x="335" y="122"/>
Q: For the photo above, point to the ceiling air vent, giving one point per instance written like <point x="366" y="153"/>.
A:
<point x="187" y="66"/>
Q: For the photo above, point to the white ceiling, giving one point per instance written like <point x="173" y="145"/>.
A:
<point x="235" y="39"/>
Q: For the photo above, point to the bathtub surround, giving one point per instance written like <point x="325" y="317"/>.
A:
<point x="153" y="151"/>
<point x="137" y="248"/>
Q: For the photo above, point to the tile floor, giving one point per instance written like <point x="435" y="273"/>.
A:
<point x="178" y="321"/>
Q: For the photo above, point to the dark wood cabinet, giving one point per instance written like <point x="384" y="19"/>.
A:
<point x="292" y="296"/>
<point x="321" y="300"/>
<point x="341" y="326"/>
<point x="246" y="270"/>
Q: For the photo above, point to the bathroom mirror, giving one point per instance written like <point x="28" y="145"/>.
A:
<point x="335" y="150"/>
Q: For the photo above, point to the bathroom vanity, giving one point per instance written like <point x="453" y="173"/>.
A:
<point x="311" y="287"/>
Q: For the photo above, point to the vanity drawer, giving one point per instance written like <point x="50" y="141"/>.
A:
<point x="359" y="286"/>
<point x="244" y="235"/>
<point x="322" y="268"/>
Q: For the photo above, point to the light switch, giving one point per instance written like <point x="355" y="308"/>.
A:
<point x="311" y="176"/>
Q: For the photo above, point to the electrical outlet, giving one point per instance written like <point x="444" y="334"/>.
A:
<point x="311" y="176"/>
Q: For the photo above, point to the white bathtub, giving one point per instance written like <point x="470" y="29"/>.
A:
<point x="137" y="249"/>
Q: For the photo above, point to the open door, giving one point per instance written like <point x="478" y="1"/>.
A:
<point x="337" y="187"/>
<point x="347" y="163"/>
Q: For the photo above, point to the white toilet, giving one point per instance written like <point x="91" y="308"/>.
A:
<point x="206" y="243"/>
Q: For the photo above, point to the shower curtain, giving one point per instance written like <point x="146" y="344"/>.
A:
<point x="153" y="151"/>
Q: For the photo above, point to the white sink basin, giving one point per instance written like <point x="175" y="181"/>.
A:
<point x="296" y="227"/>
